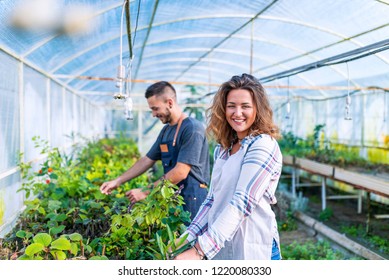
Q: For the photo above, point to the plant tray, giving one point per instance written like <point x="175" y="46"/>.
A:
<point x="368" y="182"/>
<point x="288" y="159"/>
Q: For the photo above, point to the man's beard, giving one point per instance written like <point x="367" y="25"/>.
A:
<point x="167" y="117"/>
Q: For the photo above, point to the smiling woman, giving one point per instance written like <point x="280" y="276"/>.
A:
<point x="77" y="70"/>
<point x="236" y="220"/>
<point x="240" y="111"/>
<point x="243" y="102"/>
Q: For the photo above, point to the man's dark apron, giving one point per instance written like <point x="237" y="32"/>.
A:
<point x="192" y="193"/>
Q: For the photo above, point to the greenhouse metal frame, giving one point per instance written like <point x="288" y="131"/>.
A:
<point x="77" y="69"/>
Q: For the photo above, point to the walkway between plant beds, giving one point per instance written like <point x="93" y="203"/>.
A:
<point x="339" y="239"/>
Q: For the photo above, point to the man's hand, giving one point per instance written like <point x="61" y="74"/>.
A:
<point x="136" y="195"/>
<point x="108" y="187"/>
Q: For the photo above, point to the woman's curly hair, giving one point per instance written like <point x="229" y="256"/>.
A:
<point x="220" y="129"/>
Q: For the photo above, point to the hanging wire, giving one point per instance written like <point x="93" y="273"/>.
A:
<point x="121" y="70"/>
<point x="128" y="25"/>
<point x="251" y="47"/>
<point x="209" y="72"/>
<point x="128" y="103"/>
<point x="383" y="124"/>
<point x="348" y="97"/>
<point x="288" y="103"/>
<point x="385" y="106"/>
<point x="356" y="92"/>
<point x="334" y="60"/>
<point x="136" y="27"/>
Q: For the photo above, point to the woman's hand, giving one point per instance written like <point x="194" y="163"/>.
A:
<point x="194" y="253"/>
<point x="190" y="254"/>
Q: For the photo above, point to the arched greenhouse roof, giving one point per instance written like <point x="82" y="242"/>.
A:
<point x="69" y="69"/>
<point x="298" y="48"/>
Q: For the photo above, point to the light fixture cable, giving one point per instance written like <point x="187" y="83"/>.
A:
<point x="348" y="97"/>
<point x="121" y="71"/>
<point x="288" y="103"/>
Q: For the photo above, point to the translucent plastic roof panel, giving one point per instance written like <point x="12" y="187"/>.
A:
<point x="81" y="43"/>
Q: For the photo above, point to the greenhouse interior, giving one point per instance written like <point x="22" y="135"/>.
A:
<point x="73" y="114"/>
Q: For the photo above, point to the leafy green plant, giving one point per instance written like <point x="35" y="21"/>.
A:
<point x="64" y="198"/>
<point x="326" y="214"/>
<point x="358" y="232"/>
<point x="310" y="251"/>
<point x="300" y="203"/>
<point x="382" y="244"/>
<point x="288" y="224"/>
<point x="174" y="246"/>
<point x="44" y="247"/>
<point x="145" y="223"/>
<point x="316" y="148"/>
<point x="197" y="112"/>
<point x="352" y="230"/>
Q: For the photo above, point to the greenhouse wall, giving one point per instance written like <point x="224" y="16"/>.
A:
<point x="367" y="129"/>
<point x="33" y="104"/>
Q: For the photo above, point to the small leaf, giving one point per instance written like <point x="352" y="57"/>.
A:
<point x="71" y="211"/>
<point x="99" y="195"/>
<point x="157" y="212"/>
<point x="58" y="255"/>
<point x="61" y="218"/>
<point x="170" y="233"/>
<point x="74" y="248"/>
<point x="165" y="192"/>
<point x="42" y="238"/>
<point x="51" y="216"/>
<point x="54" y="205"/>
<point x="139" y="220"/>
<point x="56" y="230"/>
<point x="98" y="258"/>
<point x="42" y="210"/>
<point x="75" y="236"/>
<point x="95" y="205"/>
<point x="147" y="218"/>
<point x="61" y="244"/>
<point x="154" y="254"/>
<point x="183" y="248"/>
<point x="24" y="257"/>
<point x="51" y="224"/>
<point x="161" y="246"/>
<point x="182" y="240"/>
<point x="88" y="248"/>
<point x="21" y="234"/>
<point x="34" y="248"/>
<point x="84" y="217"/>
